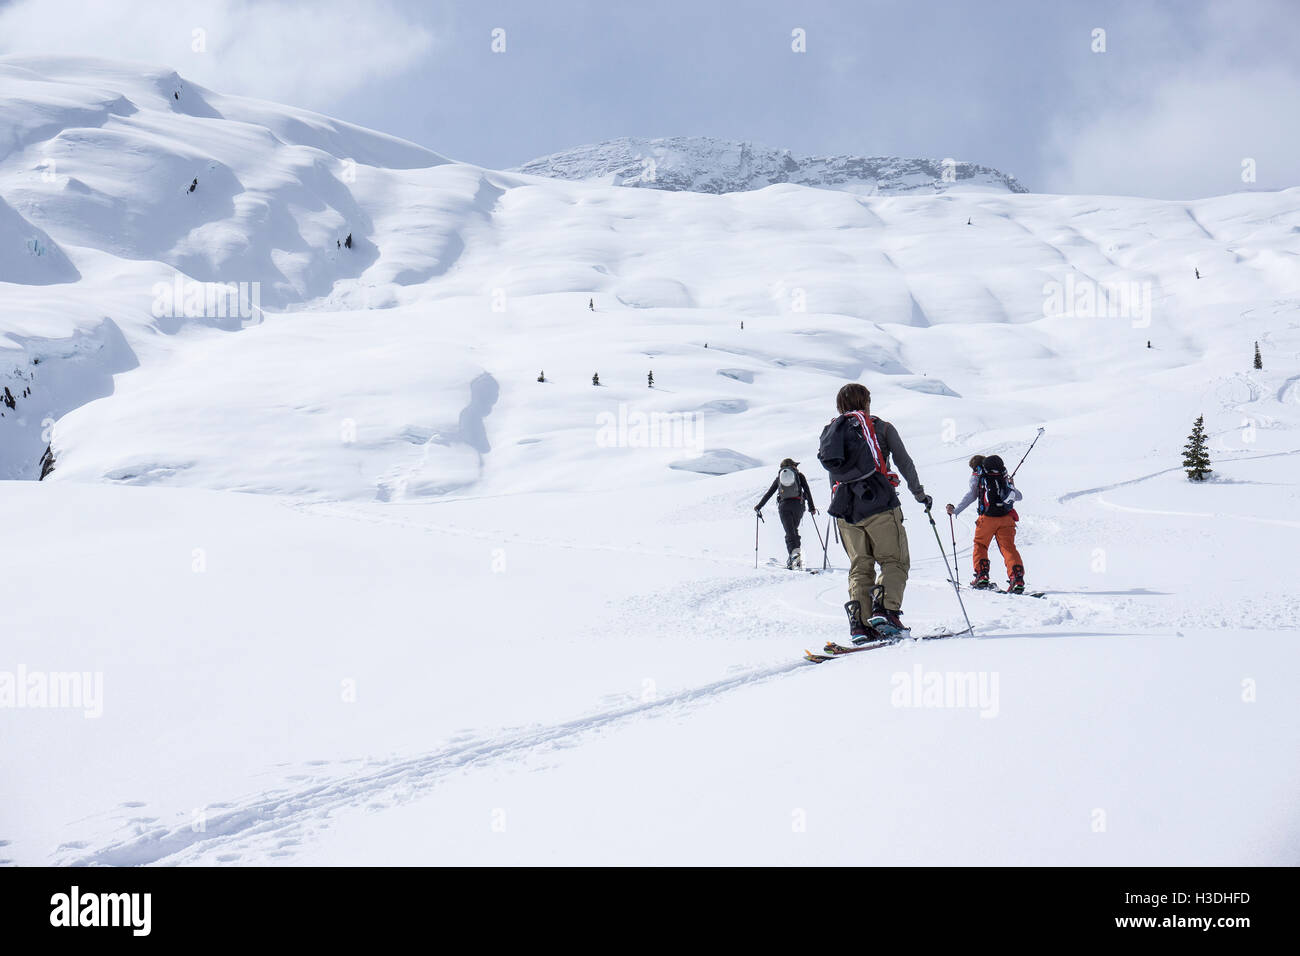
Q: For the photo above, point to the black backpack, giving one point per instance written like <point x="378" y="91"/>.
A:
<point x="995" y="497"/>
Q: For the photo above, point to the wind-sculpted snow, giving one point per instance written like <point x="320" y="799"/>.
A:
<point x="29" y="256"/>
<point x="136" y="194"/>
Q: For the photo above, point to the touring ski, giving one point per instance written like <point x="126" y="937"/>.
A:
<point x="994" y="589"/>
<point x="833" y="650"/>
<point x="774" y="563"/>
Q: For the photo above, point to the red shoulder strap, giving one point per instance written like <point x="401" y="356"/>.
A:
<point x="869" y="433"/>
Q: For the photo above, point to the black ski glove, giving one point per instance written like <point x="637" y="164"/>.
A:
<point x="926" y="500"/>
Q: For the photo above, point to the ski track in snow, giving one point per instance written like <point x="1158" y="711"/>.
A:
<point x="276" y="818"/>
<point x="1130" y="509"/>
<point x="272" y="823"/>
<point x="1164" y="471"/>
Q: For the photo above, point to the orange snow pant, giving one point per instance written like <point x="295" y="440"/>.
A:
<point x="1003" y="529"/>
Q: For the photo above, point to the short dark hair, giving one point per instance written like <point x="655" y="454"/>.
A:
<point x="853" y="398"/>
<point x="976" y="461"/>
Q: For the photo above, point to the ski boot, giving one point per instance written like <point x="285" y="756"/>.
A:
<point x="889" y="625"/>
<point x="1016" y="584"/>
<point x="883" y="621"/>
<point x="859" y="631"/>
<point x="797" y="557"/>
<point x="981" y="582"/>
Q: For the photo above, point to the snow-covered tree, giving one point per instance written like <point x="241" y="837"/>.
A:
<point x="1196" y="459"/>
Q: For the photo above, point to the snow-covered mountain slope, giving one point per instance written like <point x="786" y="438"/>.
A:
<point x="469" y="616"/>
<point x="703" y="164"/>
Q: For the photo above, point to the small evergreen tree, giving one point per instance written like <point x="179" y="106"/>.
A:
<point x="595" y="378"/>
<point x="1259" y="360"/>
<point x="541" y="376"/>
<point x="650" y="380"/>
<point x="1196" y="460"/>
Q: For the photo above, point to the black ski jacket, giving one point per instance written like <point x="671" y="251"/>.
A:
<point x="859" y="489"/>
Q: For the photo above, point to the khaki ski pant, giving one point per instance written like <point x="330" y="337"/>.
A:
<point x="879" y="539"/>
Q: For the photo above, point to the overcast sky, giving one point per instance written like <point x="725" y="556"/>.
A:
<point x="1184" y="93"/>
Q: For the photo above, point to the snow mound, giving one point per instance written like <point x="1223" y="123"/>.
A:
<point x="717" y="461"/>
<point x="28" y="255"/>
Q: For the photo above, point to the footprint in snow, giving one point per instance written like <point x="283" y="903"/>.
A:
<point x="133" y="804"/>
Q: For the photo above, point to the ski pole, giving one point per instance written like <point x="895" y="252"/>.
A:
<point x="819" y="539"/>
<point x="951" y="575"/>
<point x="1031" y="448"/>
<point x="758" y="516"/>
<point x="954" y="548"/>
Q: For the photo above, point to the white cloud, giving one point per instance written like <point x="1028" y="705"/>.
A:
<point x="1176" y="121"/>
<point x="1186" y="138"/>
<point x="307" y="54"/>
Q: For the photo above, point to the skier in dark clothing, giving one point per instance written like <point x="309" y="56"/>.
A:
<point x="856" y="449"/>
<point x="791" y="487"/>
<point x="194" y="185"/>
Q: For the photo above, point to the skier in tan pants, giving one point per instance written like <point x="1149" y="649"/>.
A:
<point x="855" y="449"/>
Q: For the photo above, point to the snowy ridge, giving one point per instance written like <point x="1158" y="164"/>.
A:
<point x="707" y="165"/>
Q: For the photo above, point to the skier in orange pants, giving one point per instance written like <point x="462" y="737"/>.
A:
<point x="996" y="494"/>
